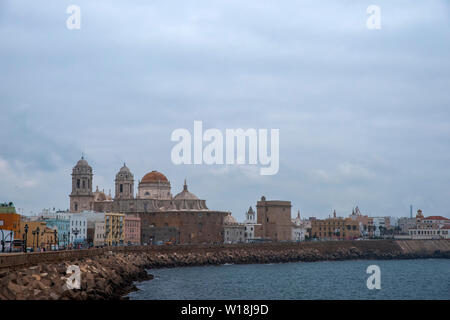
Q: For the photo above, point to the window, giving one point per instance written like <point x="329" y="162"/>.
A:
<point x="78" y="183"/>
<point x="121" y="188"/>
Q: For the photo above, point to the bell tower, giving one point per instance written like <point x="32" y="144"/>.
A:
<point x="82" y="197"/>
<point x="124" y="184"/>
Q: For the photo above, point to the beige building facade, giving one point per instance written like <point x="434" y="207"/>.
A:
<point x="153" y="203"/>
<point x="274" y="220"/>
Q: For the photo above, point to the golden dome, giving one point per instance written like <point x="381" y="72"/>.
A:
<point x="154" y="176"/>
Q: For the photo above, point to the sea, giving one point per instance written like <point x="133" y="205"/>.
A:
<point x="423" y="279"/>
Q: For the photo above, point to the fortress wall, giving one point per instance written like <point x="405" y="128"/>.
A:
<point x="251" y="253"/>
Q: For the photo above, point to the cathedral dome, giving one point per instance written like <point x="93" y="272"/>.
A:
<point x="185" y="194"/>
<point x="100" y="196"/>
<point x="229" y="220"/>
<point x="154" y="176"/>
<point x="82" y="163"/>
<point x="124" y="174"/>
<point x="124" y="169"/>
<point x="82" y="167"/>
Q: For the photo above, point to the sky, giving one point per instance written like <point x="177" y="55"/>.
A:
<point x="364" y="115"/>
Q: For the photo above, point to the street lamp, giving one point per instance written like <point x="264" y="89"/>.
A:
<point x="3" y="241"/>
<point x="34" y="235"/>
<point x="56" y="238"/>
<point x="37" y="237"/>
<point x="76" y="232"/>
<point x="25" y="238"/>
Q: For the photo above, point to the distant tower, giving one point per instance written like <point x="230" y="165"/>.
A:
<point x="274" y="219"/>
<point x="82" y="197"/>
<point x="250" y="215"/>
<point x="419" y="215"/>
<point x="410" y="211"/>
<point x="124" y="184"/>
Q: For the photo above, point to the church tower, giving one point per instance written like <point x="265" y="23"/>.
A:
<point x="82" y="197"/>
<point x="250" y="216"/>
<point x="124" y="184"/>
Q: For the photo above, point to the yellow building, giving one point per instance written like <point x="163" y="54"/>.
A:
<point x="9" y="219"/>
<point x="114" y="228"/>
<point x="38" y="235"/>
<point x="335" y="228"/>
<point x="49" y="239"/>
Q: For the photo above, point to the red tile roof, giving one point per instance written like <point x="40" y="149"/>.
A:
<point x="435" y="218"/>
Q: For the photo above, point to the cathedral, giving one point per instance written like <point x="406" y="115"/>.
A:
<point x="153" y="203"/>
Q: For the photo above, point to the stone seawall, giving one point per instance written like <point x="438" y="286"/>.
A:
<point x="108" y="273"/>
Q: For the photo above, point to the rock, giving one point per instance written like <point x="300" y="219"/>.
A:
<point x="36" y="277"/>
<point x="14" y="288"/>
<point x="54" y="296"/>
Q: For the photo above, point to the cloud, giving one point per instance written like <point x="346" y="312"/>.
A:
<point x="363" y="115"/>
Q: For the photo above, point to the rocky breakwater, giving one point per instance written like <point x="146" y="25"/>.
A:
<point x="108" y="276"/>
<point x="110" y="273"/>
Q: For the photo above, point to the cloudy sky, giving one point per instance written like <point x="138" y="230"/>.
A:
<point x="364" y="115"/>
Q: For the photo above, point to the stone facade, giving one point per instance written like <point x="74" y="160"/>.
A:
<point x="159" y="235"/>
<point x="234" y="232"/>
<point x="274" y="219"/>
<point x="335" y="228"/>
<point x="132" y="230"/>
<point x="99" y="234"/>
<point x="124" y="184"/>
<point x="153" y="204"/>
<point x="190" y="215"/>
<point x="82" y="197"/>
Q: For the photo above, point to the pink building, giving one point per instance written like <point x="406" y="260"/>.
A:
<point x="132" y="230"/>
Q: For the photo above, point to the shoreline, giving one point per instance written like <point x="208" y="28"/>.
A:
<point x="112" y="274"/>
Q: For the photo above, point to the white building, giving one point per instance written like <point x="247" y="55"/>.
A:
<point x="405" y="224"/>
<point x="436" y="220"/>
<point x="435" y="232"/>
<point x="299" y="228"/>
<point x="6" y="239"/>
<point x="99" y="234"/>
<point x="250" y="223"/>
<point x="78" y="227"/>
<point x="378" y="224"/>
<point x="233" y="232"/>
<point x="432" y="227"/>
